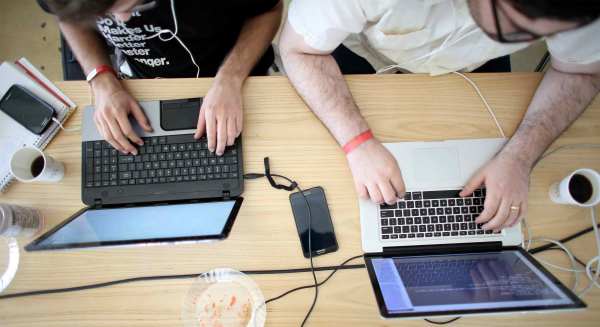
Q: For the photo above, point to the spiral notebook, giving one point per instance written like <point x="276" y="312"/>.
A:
<point x="13" y="136"/>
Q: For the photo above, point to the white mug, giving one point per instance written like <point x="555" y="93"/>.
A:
<point x="580" y="188"/>
<point x="30" y="164"/>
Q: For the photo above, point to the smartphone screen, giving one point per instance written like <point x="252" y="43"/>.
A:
<point x="322" y="235"/>
<point x="24" y="107"/>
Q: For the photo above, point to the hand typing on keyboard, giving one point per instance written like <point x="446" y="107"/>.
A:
<point x="113" y="106"/>
<point x="507" y="183"/>
<point x="376" y="173"/>
<point x="221" y="114"/>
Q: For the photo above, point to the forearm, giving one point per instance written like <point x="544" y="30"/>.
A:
<point x="86" y="45"/>
<point x="558" y="102"/>
<point x="90" y="53"/>
<point x="318" y="80"/>
<point x="256" y="35"/>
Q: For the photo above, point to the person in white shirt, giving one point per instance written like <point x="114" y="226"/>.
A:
<point x="439" y="37"/>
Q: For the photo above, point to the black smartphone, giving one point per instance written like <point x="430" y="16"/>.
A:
<point x="322" y="235"/>
<point x="27" y="109"/>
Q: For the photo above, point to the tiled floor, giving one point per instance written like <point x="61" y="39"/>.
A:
<point x="27" y="31"/>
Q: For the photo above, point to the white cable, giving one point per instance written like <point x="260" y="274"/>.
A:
<point x="569" y="255"/>
<point x="442" y="47"/>
<point x="588" y="271"/>
<point x="593" y="278"/>
<point x="487" y="105"/>
<point x="74" y="129"/>
<point x="438" y="49"/>
<point x="13" y="263"/>
<point x="430" y="54"/>
<point x="173" y="35"/>
<point x="528" y="231"/>
<point x="191" y="56"/>
<point x="588" y="267"/>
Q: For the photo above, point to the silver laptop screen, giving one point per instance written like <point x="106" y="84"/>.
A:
<point x="464" y="282"/>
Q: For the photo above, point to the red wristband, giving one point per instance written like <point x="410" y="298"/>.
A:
<point x="357" y="140"/>
<point x="99" y="70"/>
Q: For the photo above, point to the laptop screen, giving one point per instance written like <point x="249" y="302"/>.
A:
<point x="142" y="224"/>
<point x="464" y="283"/>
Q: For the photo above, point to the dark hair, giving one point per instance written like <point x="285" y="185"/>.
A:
<point x="79" y="10"/>
<point x="583" y="11"/>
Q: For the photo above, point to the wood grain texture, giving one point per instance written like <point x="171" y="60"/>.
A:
<point x="278" y="124"/>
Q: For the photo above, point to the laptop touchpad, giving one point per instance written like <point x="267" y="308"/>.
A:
<point x="436" y="166"/>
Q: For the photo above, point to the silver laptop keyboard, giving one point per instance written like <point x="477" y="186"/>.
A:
<point x="432" y="214"/>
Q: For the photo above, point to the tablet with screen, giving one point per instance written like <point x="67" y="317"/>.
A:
<point x="466" y="283"/>
<point x="179" y="222"/>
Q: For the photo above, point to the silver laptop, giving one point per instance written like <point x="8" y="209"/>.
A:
<point x="426" y="256"/>
<point x="431" y="212"/>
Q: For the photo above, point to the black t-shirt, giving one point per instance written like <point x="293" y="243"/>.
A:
<point x="209" y="29"/>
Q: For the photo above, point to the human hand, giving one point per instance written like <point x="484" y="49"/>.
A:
<point x="221" y="115"/>
<point x="111" y="115"/>
<point x="376" y="173"/>
<point x="506" y="179"/>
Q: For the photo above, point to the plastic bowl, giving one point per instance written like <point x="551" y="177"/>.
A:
<point x="224" y="297"/>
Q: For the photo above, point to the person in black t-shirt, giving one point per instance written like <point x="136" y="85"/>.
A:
<point x="227" y="39"/>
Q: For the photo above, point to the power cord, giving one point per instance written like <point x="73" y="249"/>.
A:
<point x="74" y="129"/>
<point x="435" y="322"/>
<point x="293" y="185"/>
<point x="485" y="103"/>
<point x="343" y="266"/>
<point x="589" y="271"/>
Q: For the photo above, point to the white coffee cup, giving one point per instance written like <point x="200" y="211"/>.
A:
<point x="30" y="164"/>
<point x="580" y="188"/>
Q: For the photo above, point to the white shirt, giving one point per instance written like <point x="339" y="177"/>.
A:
<point x="422" y="36"/>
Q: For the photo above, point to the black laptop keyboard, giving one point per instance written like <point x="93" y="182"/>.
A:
<point x="432" y="214"/>
<point x="162" y="159"/>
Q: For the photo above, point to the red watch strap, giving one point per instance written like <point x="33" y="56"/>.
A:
<point x="99" y="70"/>
<point x="357" y="140"/>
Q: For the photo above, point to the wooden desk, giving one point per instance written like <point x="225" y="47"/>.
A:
<point x="277" y="124"/>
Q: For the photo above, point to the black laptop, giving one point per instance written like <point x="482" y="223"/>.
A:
<point x="463" y="279"/>
<point x="175" y="189"/>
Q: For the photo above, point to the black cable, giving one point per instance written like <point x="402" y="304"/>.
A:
<point x="334" y="269"/>
<point x="290" y="188"/>
<point x="563" y="240"/>
<point x="579" y="261"/>
<point x="96" y="285"/>
<point x="312" y="267"/>
<point x="341" y="266"/>
<point x="543" y="62"/>
<point x="442" y="322"/>
<point x="148" y="278"/>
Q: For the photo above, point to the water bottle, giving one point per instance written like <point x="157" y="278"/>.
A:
<point x="18" y="221"/>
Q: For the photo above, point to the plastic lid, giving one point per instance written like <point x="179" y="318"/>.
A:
<point x="224" y="297"/>
<point x="9" y="261"/>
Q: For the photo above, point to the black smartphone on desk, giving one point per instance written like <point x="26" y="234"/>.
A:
<point x="322" y="235"/>
<point x="27" y="109"/>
